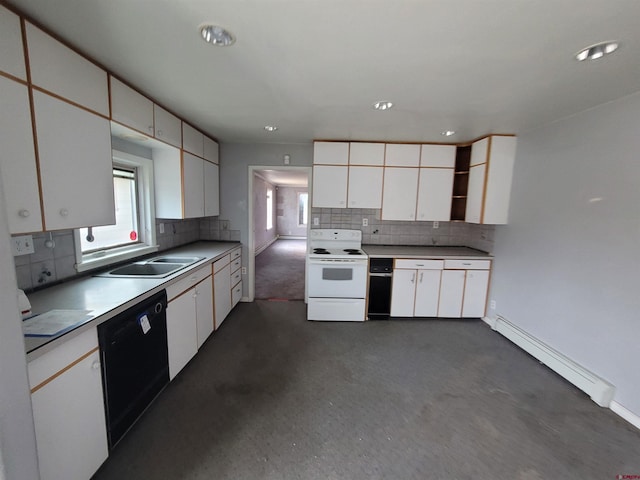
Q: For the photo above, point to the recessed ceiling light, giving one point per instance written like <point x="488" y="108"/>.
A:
<point x="216" y="35"/>
<point x="382" y="105"/>
<point x="597" y="51"/>
<point x="270" y="128"/>
<point x="448" y="133"/>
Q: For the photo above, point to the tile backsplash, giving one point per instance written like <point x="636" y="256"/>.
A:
<point x="395" y="232"/>
<point x="57" y="262"/>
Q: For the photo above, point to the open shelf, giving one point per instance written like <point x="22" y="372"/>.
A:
<point x="460" y="184"/>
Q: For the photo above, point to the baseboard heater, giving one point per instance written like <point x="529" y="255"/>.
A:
<point x="598" y="389"/>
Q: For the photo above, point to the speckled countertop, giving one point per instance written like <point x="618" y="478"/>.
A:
<point x="106" y="297"/>
<point x="410" y="251"/>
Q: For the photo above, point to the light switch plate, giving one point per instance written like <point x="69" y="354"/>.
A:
<point x="22" y="245"/>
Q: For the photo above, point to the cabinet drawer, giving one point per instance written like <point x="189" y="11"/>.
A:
<point x="236" y="253"/>
<point x="220" y="264"/>
<point x="419" y="264"/>
<point x="236" y="277"/>
<point x="467" y="264"/>
<point x="236" y="294"/>
<point x="235" y="264"/>
<point x="44" y="367"/>
<point x="185" y="284"/>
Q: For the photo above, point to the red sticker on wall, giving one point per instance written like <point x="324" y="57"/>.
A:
<point x="133" y="235"/>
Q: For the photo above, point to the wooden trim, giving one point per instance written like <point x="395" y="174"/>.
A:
<point x="15" y="79"/>
<point x="395" y="142"/>
<point x="34" y="130"/>
<point x="486" y="178"/>
<point x="68" y="367"/>
<point x="70" y="102"/>
<point x="182" y="183"/>
<point x="346" y="199"/>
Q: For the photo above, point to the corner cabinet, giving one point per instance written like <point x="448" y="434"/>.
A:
<point x="490" y="174"/>
<point x="68" y="409"/>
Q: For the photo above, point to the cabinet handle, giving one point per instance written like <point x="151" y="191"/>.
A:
<point x="64" y="212"/>
<point x="466" y="263"/>
<point x="413" y="278"/>
<point x="159" y="133"/>
<point x="24" y="213"/>
<point x="419" y="264"/>
<point x="421" y="276"/>
<point x="95" y="365"/>
<point x="151" y="128"/>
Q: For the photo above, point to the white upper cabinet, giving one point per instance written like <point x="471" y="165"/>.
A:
<point x="76" y="169"/>
<point x="211" y="150"/>
<point x="192" y="140"/>
<point x="58" y="69"/>
<point x="490" y="177"/>
<point x="365" y="187"/>
<point x="400" y="193"/>
<point x="193" y="189"/>
<point x="402" y="155"/>
<point x="366" y="154"/>
<point x="330" y="153"/>
<point x="211" y="189"/>
<point x="17" y="159"/>
<point x="131" y="108"/>
<point x="434" y="194"/>
<point x="167" y="181"/>
<point x="330" y="186"/>
<point x="11" y="51"/>
<point x="443" y="156"/>
<point x="168" y="127"/>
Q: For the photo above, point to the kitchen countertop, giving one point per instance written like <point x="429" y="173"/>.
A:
<point x="106" y="297"/>
<point x="410" y="251"/>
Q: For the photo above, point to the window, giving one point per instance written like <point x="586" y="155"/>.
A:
<point x="134" y="232"/>
<point x="303" y="209"/>
<point x="269" y="209"/>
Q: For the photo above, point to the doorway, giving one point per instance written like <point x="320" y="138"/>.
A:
<point x="279" y="214"/>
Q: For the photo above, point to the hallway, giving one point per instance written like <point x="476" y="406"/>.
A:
<point x="280" y="270"/>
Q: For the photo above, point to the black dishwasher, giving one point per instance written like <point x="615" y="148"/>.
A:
<point x="135" y="362"/>
<point x="380" y="278"/>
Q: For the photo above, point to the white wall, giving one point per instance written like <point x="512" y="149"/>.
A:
<point x="566" y="266"/>
<point x="263" y="236"/>
<point x="18" y="457"/>
<point x="287" y="211"/>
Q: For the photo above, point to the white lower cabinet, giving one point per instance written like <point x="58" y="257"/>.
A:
<point x="475" y="293"/>
<point x="189" y="317"/>
<point x="222" y="291"/>
<point x="68" y="409"/>
<point x="451" y="293"/>
<point x="415" y="288"/>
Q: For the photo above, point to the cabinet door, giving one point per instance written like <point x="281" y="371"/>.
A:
<point x="168" y="127"/>
<point x="438" y="156"/>
<point x="499" y="176"/>
<point x="69" y="419"/>
<point x="475" y="293"/>
<point x="60" y="70"/>
<point x="365" y="187"/>
<point x="451" y="291"/>
<point x="403" y="291"/>
<point x="402" y="155"/>
<point x="182" y="335"/>
<point x="192" y="140"/>
<point x="475" y="194"/>
<point x="17" y="159"/>
<point x="211" y="150"/>
<point x="222" y="294"/>
<point x="434" y="194"/>
<point x="204" y="309"/>
<point x="211" y="189"/>
<point x="330" y="186"/>
<point x="75" y="165"/>
<point x="427" y="293"/>
<point x="131" y="108"/>
<point x="479" y="152"/>
<point x="399" y="194"/>
<point x="11" y="53"/>
<point x="361" y="153"/>
<point x="193" y="185"/>
<point x="330" y="153"/>
<point x="167" y="180"/>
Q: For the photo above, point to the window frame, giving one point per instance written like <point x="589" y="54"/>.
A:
<point x="299" y="195"/>
<point x="146" y="219"/>
<point x="269" y="219"/>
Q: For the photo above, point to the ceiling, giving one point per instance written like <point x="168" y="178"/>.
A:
<point x="285" y="177"/>
<point x="315" y="67"/>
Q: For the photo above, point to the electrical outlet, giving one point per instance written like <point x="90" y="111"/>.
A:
<point x="161" y="227"/>
<point x="316" y="221"/>
<point x="365" y="222"/>
<point x="492" y="305"/>
<point x="436" y="224"/>
<point x="22" y="245"/>
<point x="244" y="270"/>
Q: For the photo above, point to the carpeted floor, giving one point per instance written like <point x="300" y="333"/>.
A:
<point x="272" y="396"/>
<point x="280" y="270"/>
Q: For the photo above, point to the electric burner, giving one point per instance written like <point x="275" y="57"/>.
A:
<point x="351" y="250"/>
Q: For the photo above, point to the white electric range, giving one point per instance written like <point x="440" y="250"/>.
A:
<point x="336" y="275"/>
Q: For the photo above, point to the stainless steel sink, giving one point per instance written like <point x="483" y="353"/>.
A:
<point x="158" y="267"/>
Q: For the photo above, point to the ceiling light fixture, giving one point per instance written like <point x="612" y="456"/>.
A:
<point x="597" y="51"/>
<point x="382" y="105"/>
<point x="448" y="133"/>
<point x="270" y="128"/>
<point x="216" y="35"/>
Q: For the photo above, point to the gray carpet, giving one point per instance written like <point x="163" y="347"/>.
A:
<point x="280" y="270"/>
<point x="272" y="396"/>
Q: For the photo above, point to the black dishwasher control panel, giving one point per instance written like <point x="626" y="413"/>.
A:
<point x="380" y="265"/>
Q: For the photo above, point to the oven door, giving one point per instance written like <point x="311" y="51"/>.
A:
<point x="337" y="278"/>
